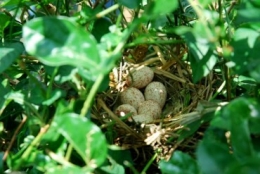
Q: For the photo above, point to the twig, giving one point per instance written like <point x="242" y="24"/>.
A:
<point x="14" y="137"/>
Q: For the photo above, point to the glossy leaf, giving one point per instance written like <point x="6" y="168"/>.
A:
<point x="9" y="52"/>
<point x="90" y="143"/>
<point x="178" y="164"/>
<point x="69" y="45"/>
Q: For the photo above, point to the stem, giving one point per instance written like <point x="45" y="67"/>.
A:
<point x="68" y="153"/>
<point x="34" y="143"/>
<point x="91" y="95"/>
<point x="149" y="164"/>
<point x="228" y="83"/>
<point x="107" y="11"/>
<point x="159" y="42"/>
<point x="14" y="137"/>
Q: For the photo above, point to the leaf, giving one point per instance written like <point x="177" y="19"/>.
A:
<point x="239" y="111"/>
<point x="213" y="152"/>
<point x="101" y="27"/>
<point x="57" y="41"/>
<point x="202" y="53"/>
<point x="55" y="95"/>
<point x="2" y="162"/>
<point x="246" y="43"/>
<point x="204" y="3"/>
<point x="162" y="7"/>
<point x="178" y="164"/>
<point x="65" y="73"/>
<point x="90" y="143"/>
<point x="5" y="20"/>
<point x="9" y="52"/>
<point x="68" y="170"/>
<point x="251" y="165"/>
<point x="3" y="102"/>
<point x="130" y="4"/>
<point x="1" y="127"/>
<point x="247" y="12"/>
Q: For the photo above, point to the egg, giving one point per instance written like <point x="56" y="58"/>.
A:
<point x="124" y="109"/>
<point x="156" y="91"/>
<point x="151" y="109"/>
<point x="132" y="96"/>
<point x="140" y="77"/>
<point x="142" y="118"/>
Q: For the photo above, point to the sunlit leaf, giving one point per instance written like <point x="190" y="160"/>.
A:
<point x="59" y="41"/>
<point x="90" y="143"/>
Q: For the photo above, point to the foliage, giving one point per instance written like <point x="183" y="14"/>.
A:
<point x="54" y="60"/>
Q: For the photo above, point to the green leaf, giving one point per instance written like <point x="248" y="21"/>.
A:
<point x="251" y="165"/>
<point x="5" y="20"/>
<point x="213" y="152"/>
<point x="162" y="7"/>
<point x="2" y="162"/>
<point x="239" y="111"/>
<point x="204" y="3"/>
<point x="68" y="170"/>
<point x="178" y="164"/>
<point x="246" y="44"/>
<point x="101" y="27"/>
<point x="90" y="143"/>
<point x="55" y="95"/>
<point x="202" y="53"/>
<point x="65" y="73"/>
<point x="247" y="12"/>
<point x="1" y="126"/>
<point x="57" y="41"/>
<point x="130" y="4"/>
<point x="202" y="60"/>
<point x="3" y="102"/>
<point x="9" y="52"/>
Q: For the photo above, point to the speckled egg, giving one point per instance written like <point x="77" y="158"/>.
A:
<point x="132" y="96"/>
<point x="142" y="118"/>
<point x="124" y="109"/>
<point x="140" y="77"/>
<point x="150" y="108"/>
<point x="156" y="91"/>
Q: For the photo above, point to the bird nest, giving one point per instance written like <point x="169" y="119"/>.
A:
<point x="186" y="102"/>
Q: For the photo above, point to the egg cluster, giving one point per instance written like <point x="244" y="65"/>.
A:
<point x="147" y="106"/>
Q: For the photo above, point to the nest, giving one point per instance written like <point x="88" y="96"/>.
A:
<point x="186" y="102"/>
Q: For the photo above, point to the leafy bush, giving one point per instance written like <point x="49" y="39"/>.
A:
<point x="55" y="62"/>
